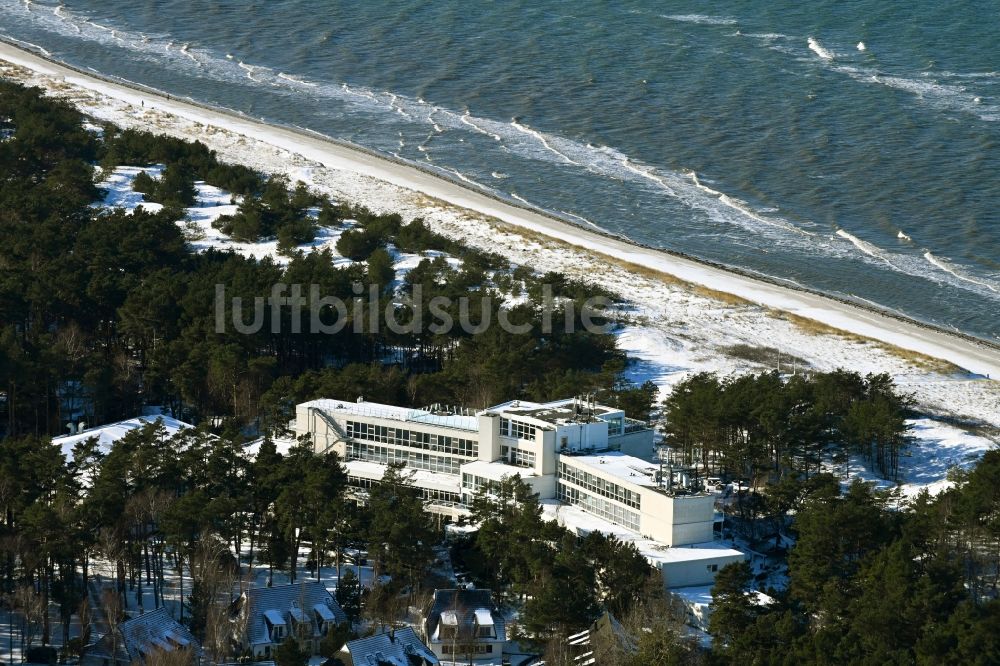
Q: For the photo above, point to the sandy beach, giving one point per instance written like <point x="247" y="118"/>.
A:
<point x="686" y="311"/>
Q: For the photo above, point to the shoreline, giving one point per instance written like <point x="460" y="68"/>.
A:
<point x="981" y="357"/>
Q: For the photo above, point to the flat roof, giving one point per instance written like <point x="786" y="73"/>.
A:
<point x="107" y="435"/>
<point x="421" y="478"/>
<point x="576" y="519"/>
<point x="628" y="468"/>
<point x="557" y="412"/>
<point x="394" y="413"/>
<point x="495" y="471"/>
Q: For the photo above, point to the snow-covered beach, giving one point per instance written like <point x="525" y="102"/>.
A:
<point x="688" y="316"/>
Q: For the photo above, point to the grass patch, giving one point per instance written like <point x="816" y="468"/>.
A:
<point x="769" y="356"/>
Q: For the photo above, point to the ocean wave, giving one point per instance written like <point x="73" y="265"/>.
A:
<point x="818" y="49"/>
<point x="703" y="188"/>
<point x="581" y="218"/>
<point x="702" y="19"/>
<point x="944" y="96"/>
<point x="541" y="139"/>
<point x="868" y="248"/>
<point x="36" y="47"/>
<point x="927" y="267"/>
<point x="297" y="80"/>
<point x="466" y="120"/>
<point x="515" y="195"/>
<point x="951" y="270"/>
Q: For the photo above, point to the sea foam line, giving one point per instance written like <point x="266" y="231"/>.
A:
<point x="579" y="217"/>
<point x="465" y="118"/>
<point x="940" y="263"/>
<point x="296" y="80"/>
<point x="818" y="49"/>
<point x="866" y="247"/>
<point x="744" y="208"/>
<point x="541" y="138"/>
<point x="702" y="19"/>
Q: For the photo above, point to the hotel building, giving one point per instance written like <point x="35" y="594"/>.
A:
<point x="571" y="452"/>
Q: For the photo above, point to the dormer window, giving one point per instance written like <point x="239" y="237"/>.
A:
<point x="484" y="623"/>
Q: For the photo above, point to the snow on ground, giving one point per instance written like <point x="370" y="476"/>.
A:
<point x="666" y="358"/>
<point x="681" y="329"/>
<point x="213" y="202"/>
<point x="936" y="448"/>
<point x="118" y="192"/>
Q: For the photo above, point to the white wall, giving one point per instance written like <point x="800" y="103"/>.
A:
<point x="695" y="572"/>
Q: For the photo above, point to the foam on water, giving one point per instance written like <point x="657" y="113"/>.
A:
<point x="297" y="80"/>
<point x="867" y="248"/>
<point x="521" y="199"/>
<point x="948" y="268"/>
<point x="911" y="265"/>
<point x="541" y="139"/>
<point x="466" y="120"/>
<point x="652" y="194"/>
<point x="818" y="49"/>
<point x="702" y="19"/>
<point x="581" y="218"/>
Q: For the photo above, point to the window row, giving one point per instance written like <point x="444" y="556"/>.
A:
<point x="599" y="506"/>
<point x="429" y="494"/>
<point x="597" y="485"/>
<point x="465" y="648"/>
<point x="386" y="455"/>
<point x="474" y="483"/>
<point x="418" y="440"/>
<point x="516" y="429"/>
<point x="517" y="457"/>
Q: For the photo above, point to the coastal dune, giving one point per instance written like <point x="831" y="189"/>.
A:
<point x="974" y="356"/>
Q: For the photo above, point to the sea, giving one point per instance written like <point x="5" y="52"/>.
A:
<point x="851" y="148"/>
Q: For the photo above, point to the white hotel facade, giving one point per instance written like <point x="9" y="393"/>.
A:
<point x="588" y="457"/>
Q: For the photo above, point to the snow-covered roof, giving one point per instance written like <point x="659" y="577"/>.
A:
<point x="274" y="603"/>
<point x="107" y="435"/>
<point x="577" y="520"/>
<point x="421" y="478"/>
<point x="495" y="471"/>
<point x="402" y="647"/>
<point x="464" y="609"/>
<point x="394" y="413"/>
<point x="629" y="469"/>
<point x="281" y="444"/>
<point x="556" y="412"/>
<point x="144" y="634"/>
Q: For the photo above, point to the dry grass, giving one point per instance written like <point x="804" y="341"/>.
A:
<point x="803" y="324"/>
<point x="768" y="356"/>
<point x="549" y="242"/>
<point x="922" y="361"/>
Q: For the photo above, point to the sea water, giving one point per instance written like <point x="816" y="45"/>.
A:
<point x="851" y="148"/>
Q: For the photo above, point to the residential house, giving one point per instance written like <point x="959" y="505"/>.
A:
<point x="270" y="615"/>
<point x="138" y="639"/>
<point x="464" y="626"/>
<point x="399" y="647"/>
